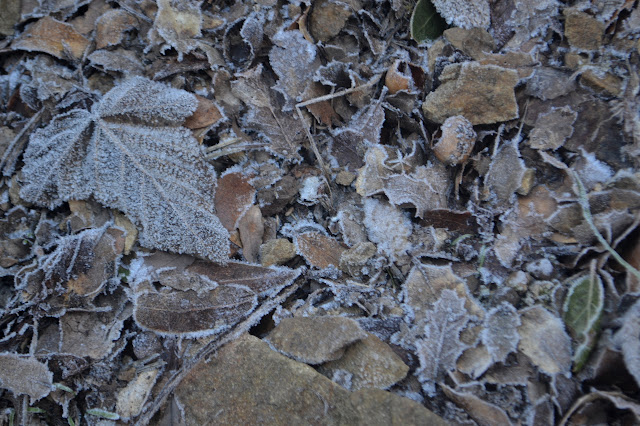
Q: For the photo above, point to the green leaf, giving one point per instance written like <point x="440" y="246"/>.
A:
<point x="103" y="413"/>
<point x="64" y="388"/>
<point x="426" y="23"/>
<point x="582" y="311"/>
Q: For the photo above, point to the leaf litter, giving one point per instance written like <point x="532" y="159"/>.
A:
<point x="419" y="224"/>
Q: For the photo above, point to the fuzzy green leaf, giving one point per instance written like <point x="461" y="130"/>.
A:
<point x="426" y="23"/>
<point x="581" y="313"/>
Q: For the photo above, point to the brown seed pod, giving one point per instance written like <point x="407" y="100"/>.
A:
<point x="457" y="141"/>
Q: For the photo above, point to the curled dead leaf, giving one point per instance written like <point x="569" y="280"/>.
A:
<point x="53" y="37"/>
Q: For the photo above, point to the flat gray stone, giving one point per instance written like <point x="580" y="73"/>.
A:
<point x="483" y="94"/>
<point x="369" y="363"/>
<point x="314" y="340"/>
<point x="248" y="383"/>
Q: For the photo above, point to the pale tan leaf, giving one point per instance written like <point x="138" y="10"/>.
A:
<point x="25" y="375"/>
<point x="53" y="37"/>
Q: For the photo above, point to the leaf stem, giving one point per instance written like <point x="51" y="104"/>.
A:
<point x="588" y="217"/>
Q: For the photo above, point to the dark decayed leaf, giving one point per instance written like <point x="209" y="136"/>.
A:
<point x="426" y="23"/>
<point x="82" y="264"/>
<point x="211" y="297"/>
<point x="189" y="314"/>
<point x="350" y="142"/>
<point x="283" y="131"/>
<point x="627" y="339"/>
<point x="10" y="16"/>
<point x="582" y="310"/>
<point x="261" y="280"/>
<point x="130" y="153"/>
<point x="25" y="375"/>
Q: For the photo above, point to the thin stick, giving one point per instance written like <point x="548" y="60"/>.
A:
<point x="7" y="163"/>
<point x="330" y="96"/>
<point x="586" y="213"/>
<point x="314" y="146"/>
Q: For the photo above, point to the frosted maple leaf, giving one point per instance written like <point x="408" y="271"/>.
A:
<point x="130" y="153"/>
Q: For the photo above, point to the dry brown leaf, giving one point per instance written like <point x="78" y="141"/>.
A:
<point x="328" y="17"/>
<point x="177" y="24"/>
<point x="92" y="334"/>
<point x="319" y="250"/>
<point x="111" y="27"/>
<point x="206" y="114"/>
<point x="425" y="283"/>
<point x="187" y="313"/>
<point x="481" y="411"/>
<point x="323" y="111"/>
<point x="544" y="340"/>
<point x="251" y="229"/>
<point x="506" y="174"/>
<point x="53" y="37"/>
<point x="86" y="22"/>
<point x="553" y="128"/>
<point x="234" y="196"/>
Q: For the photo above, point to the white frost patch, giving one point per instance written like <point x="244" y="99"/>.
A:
<point x="542" y="268"/>
<point x="310" y="191"/>
<point x="387" y="227"/>
<point x="591" y="170"/>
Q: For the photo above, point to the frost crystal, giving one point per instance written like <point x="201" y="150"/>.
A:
<point x="441" y="346"/>
<point x="464" y="13"/>
<point x="387" y="227"/>
<point x="131" y="154"/>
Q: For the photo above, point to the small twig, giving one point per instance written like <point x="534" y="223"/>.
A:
<point x="7" y="163"/>
<point x="314" y="146"/>
<point x="330" y="96"/>
<point x="586" y="213"/>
